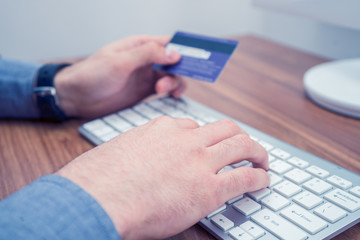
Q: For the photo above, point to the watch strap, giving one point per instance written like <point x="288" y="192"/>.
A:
<point x="46" y="94"/>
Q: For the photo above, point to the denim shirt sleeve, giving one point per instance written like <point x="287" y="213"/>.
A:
<point x="16" y="87"/>
<point x="53" y="207"/>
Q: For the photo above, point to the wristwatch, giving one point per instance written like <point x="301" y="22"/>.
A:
<point x="45" y="92"/>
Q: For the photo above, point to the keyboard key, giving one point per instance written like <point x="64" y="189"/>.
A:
<point x="172" y="101"/>
<point x="117" y="122"/>
<point x="157" y="104"/>
<point x="231" y="201"/>
<point x="275" y="201"/>
<point x="330" y="212"/>
<point x="339" y="182"/>
<point x="220" y="209"/>
<point x="278" y="225"/>
<point x="109" y="136"/>
<point x="190" y="117"/>
<point x="239" y="234"/>
<point x="304" y="219"/>
<point x="266" y="145"/>
<point x="343" y="199"/>
<point x="147" y="111"/>
<point x="277" y="152"/>
<point x="133" y="117"/>
<point x="254" y="230"/>
<point x="271" y="158"/>
<point x="200" y="115"/>
<point x="259" y="194"/>
<point x="222" y="222"/>
<point x="225" y="169"/>
<point x="240" y="164"/>
<point x="200" y="122"/>
<point x="168" y="109"/>
<point x="274" y="179"/>
<point x="279" y="166"/>
<point x="178" y="103"/>
<point x="247" y="206"/>
<point x="209" y="119"/>
<point x="307" y="200"/>
<point x="254" y="138"/>
<point x="318" y="172"/>
<point x="93" y="125"/>
<point x="356" y="191"/>
<point x="298" y="162"/>
<point x="102" y="131"/>
<point x="317" y="186"/>
<point x="297" y="176"/>
<point x="287" y="188"/>
<point x="173" y="112"/>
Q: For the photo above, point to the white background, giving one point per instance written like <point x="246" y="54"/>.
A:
<point x="48" y="29"/>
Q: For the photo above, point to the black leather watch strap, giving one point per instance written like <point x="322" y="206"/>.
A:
<point x="46" y="94"/>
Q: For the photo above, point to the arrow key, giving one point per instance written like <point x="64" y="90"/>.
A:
<point x="253" y="229"/>
<point x="222" y="222"/>
<point x="239" y="234"/>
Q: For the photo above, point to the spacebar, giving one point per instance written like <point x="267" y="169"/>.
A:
<point x="278" y="225"/>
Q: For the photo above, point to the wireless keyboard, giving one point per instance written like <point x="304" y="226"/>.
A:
<point x="308" y="197"/>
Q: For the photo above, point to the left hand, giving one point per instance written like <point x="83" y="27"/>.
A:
<point x="117" y="76"/>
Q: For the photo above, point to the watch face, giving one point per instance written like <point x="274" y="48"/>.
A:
<point x="45" y="91"/>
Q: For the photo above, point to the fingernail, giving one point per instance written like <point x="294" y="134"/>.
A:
<point x="171" y="54"/>
<point x="168" y="86"/>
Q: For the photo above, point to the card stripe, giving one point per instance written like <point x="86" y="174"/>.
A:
<point x="209" y="45"/>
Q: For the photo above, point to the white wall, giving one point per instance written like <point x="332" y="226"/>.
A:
<point x="47" y="29"/>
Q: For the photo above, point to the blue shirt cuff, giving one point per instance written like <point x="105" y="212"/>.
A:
<point x="16" y="89"/>
<point x="54" y="207"/>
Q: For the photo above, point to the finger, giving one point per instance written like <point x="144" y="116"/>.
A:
<point x="238" y="148"/>
<point x="187" y="123"/>
<point x="135" y="41"/>
<point x="166" y="121"/>
<point x="150" y="53"/>
<point x="181" y="88"/>
<point x="215" y="132"/>
<point x="238" y="181"/>
<point x="168" y="84"/>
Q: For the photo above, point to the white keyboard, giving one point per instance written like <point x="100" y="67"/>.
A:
<point x="308" y="197"/>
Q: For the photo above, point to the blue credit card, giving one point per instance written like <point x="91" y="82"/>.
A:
<point x="203" y="57"/>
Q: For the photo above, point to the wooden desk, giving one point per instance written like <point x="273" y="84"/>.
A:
<point x="261" y="86"/>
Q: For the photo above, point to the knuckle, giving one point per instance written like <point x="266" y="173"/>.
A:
<point x="242" y="141"/>
<point x="161" y="120"/>
<point x="228" y="145"/>
<point x="247" y="144"/>
<point x="231" y="125"/>
<point x="236" y="181"/>
<point x="152" y="46"/>
<point x="200" y="153"/>
<point x="191" y="122"/>
<point x="248" y="178"/>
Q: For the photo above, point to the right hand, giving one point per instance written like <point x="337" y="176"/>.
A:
<point x="117" y="76"/>
<point x="158" y="179"/>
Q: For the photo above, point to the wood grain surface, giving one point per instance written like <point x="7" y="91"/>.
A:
<point x="261" y="86"/>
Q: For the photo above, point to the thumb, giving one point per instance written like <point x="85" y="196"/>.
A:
<point x="152" y="52"/>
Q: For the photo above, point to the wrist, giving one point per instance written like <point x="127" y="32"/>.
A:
<point x="62" y="83"/>
<point x="79" y="174"/>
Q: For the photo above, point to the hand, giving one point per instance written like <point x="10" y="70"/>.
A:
<point x="117" y="76"/>
<point x="158" y="179"/>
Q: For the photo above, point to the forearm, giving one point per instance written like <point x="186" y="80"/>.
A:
<point x="16" y="89"/>
<point x="53" y="207"/>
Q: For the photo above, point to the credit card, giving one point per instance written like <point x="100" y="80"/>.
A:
<point x="203" y="58"/>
